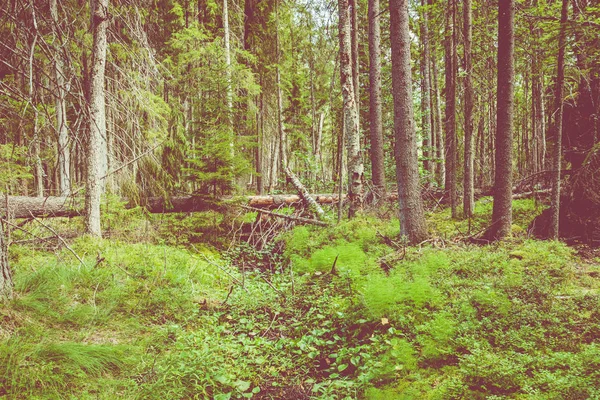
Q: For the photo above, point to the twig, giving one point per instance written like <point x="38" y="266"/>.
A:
<point x="270" y="325"/>
<point x="273" y="287"/>
<point x="208" y="260"/>
<point x="228" y="294"/>
<point x="94" y="299"/>
<point x="59" y="238"/>
<point x="288" y="217"/>
<point x="7" y="222"/>
<point x="333" y="270"/>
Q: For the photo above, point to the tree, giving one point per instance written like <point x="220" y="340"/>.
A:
<point x="375" y="109"/>
<point x="412" y="218"/>
<point x="450" y="121"/>
<point x="502" y="210"/>
<point x="468" y="178"/>
<point x="229" y="89"/>
<point x="558" y="123"/>
<point x="351" y="126"/>
<point x="6" y="283"/>
<point x="426" y="119"/>
<point x="64" y="154"/>
<point x="97" y="149"/>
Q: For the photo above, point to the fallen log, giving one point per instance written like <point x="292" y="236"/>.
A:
<point x="25" y="207"/>
<point x="40" y="207"/>
<point x="308" y="199"/>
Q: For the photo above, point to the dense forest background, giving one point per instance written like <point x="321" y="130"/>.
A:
<point x="205" y="98"/>
<point x="293" y="199"/>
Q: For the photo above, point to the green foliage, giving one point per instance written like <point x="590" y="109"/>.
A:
<point x="12" y="165"/>
<point x="517" y="319"/>
<point x="408" y="286"/>
<point x="441" y="223"/>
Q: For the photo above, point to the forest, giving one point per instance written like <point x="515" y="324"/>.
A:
<point x="298" y="199"/>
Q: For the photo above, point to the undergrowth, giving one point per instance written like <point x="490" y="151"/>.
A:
<point x="330" y="313"/>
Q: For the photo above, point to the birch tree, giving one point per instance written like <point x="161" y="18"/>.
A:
<point x="97" y="148"/>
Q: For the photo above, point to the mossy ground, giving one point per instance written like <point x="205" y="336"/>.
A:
<point x="442" y="320"/>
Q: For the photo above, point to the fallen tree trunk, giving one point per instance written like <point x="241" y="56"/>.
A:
<point x="304" y="193"/>
<point x="26" y="207"/>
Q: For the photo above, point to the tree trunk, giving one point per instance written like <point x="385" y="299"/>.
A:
<point x="353" y="7"/>
<point x="304" y="194"/>
<point x="440" y="171"/>
<point x="97" y="148"/>
<point x="558" y="116"/>
<point x="426" y="122"/>
<point x="450" y="92"/>
<point x="468" y="179"/>
<point x="6" y="282"/>
<point x="375" y="109"/>
<point x="280" y="123"/>
<point x="64" y="154"/>
<point x="412" y="219"/>
<point x="229" y="94"/>
<point x="355" y="164"/>
<point x="502" y="210"/>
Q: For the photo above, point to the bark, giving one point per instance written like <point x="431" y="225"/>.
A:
<point x="229" y="93"/>
<point x="426" y="122"/>
<point x="502" y="210"/>
<point x="260" y="186"/>
<point x="64" y="155"/>
<point x="558" y="124"/>
<point x="97" y="148"/>
<point x="468" y="181"/>
<point x="412" y="219"/>
<point x="38" y="170"/>
<point x="375" y="109"/>
<point x="440" y="167"/>
<point x="306" y="197"/>
<point x="450" y="121"/>
<point x="353" y="7"/>
<point x="6" y="282"/>
<point x="355" y="164"/>
<point x="280" y="122"/>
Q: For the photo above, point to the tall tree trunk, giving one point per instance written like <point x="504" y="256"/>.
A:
<point x="558" y="116"/>
<point x="260" y="139"/>
<point x="64" y="154"/>
<point x="426" y="120"/>
<point x="412" y="219"/>
<point x="97" y="147"/>
<point x="502" y="211"/>
<point x="280" y="123"/>
<point x="6" y="282"/>
<point x="353" y="7"/>
<point x="450" y="92"/>
<point x="37" y="162"/>
<point x="440" y="165"/>
<point x="375" y="110"/>
<point x="355" y="164"/>
<point x="538" y="115"/>
<point x="229" y="94"/>
<point x="468" y="179"/>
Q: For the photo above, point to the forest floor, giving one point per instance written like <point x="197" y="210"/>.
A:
<point x="338" y="312"/>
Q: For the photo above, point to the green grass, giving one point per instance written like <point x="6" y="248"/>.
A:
<point x="445" y="320"/>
